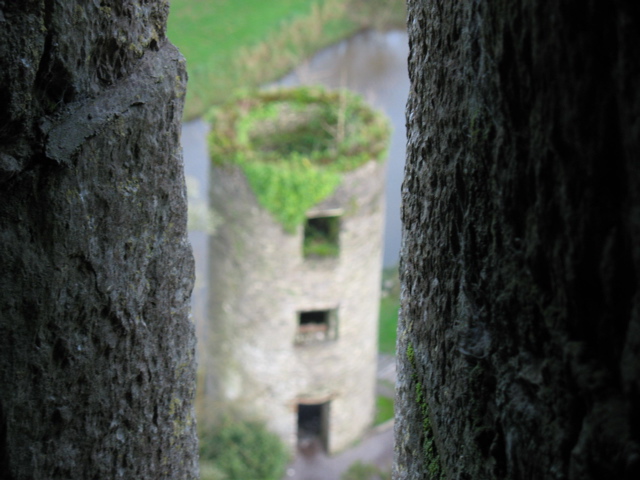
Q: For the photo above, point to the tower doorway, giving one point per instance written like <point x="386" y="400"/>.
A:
<point x="313" y="426"/>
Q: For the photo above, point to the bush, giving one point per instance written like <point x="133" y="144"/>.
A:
<point x="242" y="450"/>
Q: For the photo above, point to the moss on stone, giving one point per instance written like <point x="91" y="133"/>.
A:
<point x="294" y="144"/>
<point x="429" y="449"/>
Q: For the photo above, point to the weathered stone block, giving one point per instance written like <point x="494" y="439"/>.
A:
<point x="96" y="348"/>
<point x="518" y="342"/>
<point x="261" y="281"/>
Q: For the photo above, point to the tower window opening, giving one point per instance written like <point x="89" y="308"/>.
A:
<point x="316" y="326"/>
<point x="321" y="237"/>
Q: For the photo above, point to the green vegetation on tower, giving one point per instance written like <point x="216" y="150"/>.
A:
<point x="294" y="144"/>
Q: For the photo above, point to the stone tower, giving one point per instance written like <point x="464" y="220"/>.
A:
<point x="294" y="305"/>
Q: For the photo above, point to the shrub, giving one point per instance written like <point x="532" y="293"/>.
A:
<point x="243" y="450"/>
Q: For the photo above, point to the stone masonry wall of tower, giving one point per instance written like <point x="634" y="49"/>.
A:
<point x="260" y="282"/>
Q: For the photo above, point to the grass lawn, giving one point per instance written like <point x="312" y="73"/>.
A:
<point x="389" y="306"/>
<point x="210" y="34"/>
<point x="384" y="409"/>
<point x="243" y="43"/>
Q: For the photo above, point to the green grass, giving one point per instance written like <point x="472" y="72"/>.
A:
<point x="209" y="471"/>
<point x="210" y="31"/>
<point x="233" y="44"/>
<point x="389" y="307"/>
<point x="365" y="471"/>
<point x="388" y="323"/>
<point x="384" y="410"/>
<point x="212" y="34"/>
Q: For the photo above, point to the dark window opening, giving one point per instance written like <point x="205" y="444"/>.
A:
<point x="321" y="237"/>
<point x="316" y="326"/>
<point x="313" y="426"/>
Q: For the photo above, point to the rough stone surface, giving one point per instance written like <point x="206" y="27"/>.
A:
<point x="260" y="281"/>
<point x="520" y="306"/>
<point x="96" y="348"/>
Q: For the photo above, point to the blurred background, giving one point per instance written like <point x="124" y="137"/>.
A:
<point x="360" y="45"/>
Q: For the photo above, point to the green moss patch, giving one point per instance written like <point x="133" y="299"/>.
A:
<point x="294" y="144"/>
<point x="430" y="450"/>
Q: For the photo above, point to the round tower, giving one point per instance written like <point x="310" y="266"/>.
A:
<point x="298" y="184"/>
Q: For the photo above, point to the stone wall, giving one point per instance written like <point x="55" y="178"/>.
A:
<point x="259" y="282"/>
<point x="519" y="342"/>
<point x="96" y="349"/>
